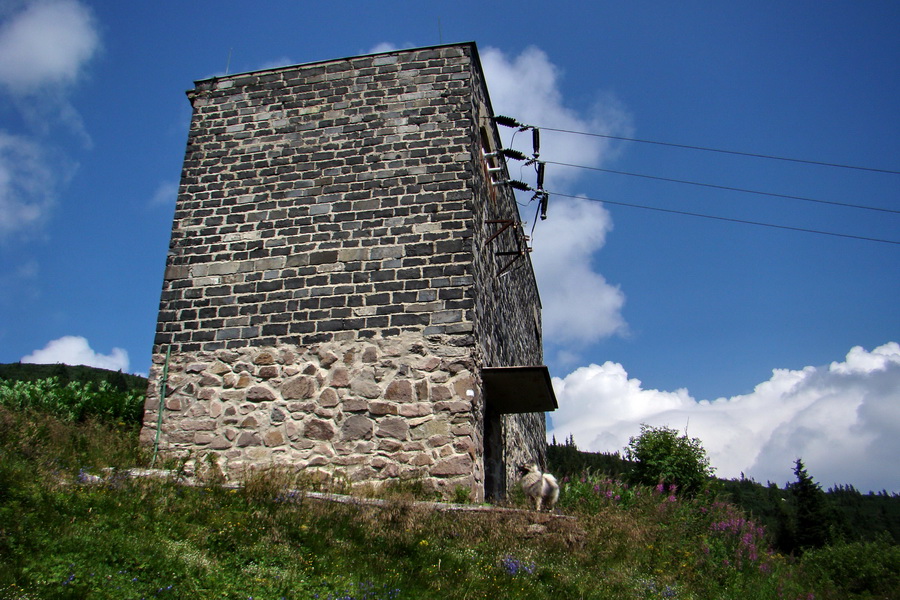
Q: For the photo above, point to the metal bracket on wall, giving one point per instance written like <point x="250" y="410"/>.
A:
<point x="521" y="241"/>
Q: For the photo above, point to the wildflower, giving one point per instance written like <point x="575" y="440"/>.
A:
<point x="514" y="566"/>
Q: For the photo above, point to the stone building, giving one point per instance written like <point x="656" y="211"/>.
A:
<point x="348" y="287"/>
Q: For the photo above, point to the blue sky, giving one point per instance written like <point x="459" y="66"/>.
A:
<point x="768" y="344"/>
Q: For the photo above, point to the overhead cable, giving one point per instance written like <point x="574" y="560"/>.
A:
<point x="722" y="151"/>
<point x="730" y="220"/>
<point x="725" y="187"/>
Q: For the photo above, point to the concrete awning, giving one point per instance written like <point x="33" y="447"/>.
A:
<point x="518" y="389"/>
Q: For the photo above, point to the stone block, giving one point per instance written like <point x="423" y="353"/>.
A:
<point x="268" y="372"/>
<point x="393" y="427"/>
<point x="435" y="426"/>
<point x="354" y="404"/>
<point x="273" y="437"/>
<point x="415" y="409"/>
<point x="340" y="377"/>
<point x="318" y="429"/>
<point x="364" y="385"/>
<point x="357" y="427"/>
<point x="259" y="393"/>
<point x="454" y="465"/>
<point x="399" y="390"/>
<point x="298" y="388"/>
<point x="220" y="443"/>
<point x="328" y="398"/>
<point x="248" y="438"/>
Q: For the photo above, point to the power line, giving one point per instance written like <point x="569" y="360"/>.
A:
<point x="730" y="220"/>
<point x="725" y="187"/>
<point x="722" y="151"/>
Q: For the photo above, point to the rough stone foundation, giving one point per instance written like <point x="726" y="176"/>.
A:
<point x="395" y="408"/>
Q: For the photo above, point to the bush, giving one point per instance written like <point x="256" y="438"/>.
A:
<point x="865" y="569"/>
<point x="663" y="457"/>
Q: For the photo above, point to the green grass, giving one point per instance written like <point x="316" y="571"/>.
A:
<point x="61" y="537"/>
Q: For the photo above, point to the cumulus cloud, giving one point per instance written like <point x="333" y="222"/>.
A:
<point x="577" y="230"/>
<point x="842" y="419"/>
<point x="27" y="184"/>
<point x="46" y="44"/>
<point x="75" y="350"/>
<point x="527" y="88"/>
<point x="44" y="49"/>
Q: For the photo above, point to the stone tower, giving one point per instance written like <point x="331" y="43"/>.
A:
<point x="348" y="287"/>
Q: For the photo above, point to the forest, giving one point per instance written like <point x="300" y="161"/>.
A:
<point x="840" y="513"/>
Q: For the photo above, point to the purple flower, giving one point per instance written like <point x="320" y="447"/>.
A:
<point x="514" y="566"/>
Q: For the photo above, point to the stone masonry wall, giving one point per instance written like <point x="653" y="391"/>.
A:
<point x="325" y="201"/>
<point x="387" y="408"/>
<point x="508" y="307"/>
<point x="324" y="292"/>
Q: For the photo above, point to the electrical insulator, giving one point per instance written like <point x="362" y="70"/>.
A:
<point x="519" y="185"/>
<point x="513" y="154"/>
<point x="540" y="176"/>
<point x="506" y="121"/>
<point x="536" y="141"/>
<point x="545" y="198"/>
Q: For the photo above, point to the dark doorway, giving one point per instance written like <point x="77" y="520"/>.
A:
<point x="494" y="467"/>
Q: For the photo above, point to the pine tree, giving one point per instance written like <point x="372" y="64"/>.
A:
<point x="811" y="515"/>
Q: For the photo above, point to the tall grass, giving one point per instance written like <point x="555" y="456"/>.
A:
<point x="65" y="535"/>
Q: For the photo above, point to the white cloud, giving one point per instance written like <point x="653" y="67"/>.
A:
<point x="843" y="420"/>
<point x="383" y="47"/>
<point x="579" y="304"/>
<point x="75" y="350"/>
<point x="165" y="194"/>
<point x="527" y="88"/>
<point x="388" y="47"/>
<point x="44" y="48"/>
<point x="27" y="184"/>
<point x="46" y="44"/>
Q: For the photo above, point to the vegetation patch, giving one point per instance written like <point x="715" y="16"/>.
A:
<point x="73" y="524"/>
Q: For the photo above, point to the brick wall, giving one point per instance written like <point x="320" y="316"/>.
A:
<point x="329" y="297"/>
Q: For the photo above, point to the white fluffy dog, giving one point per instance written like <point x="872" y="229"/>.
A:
<point x="542" y="488"/>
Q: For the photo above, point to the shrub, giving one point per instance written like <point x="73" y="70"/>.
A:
<point x="663" y="457"/>
<point x="867" y="569"/>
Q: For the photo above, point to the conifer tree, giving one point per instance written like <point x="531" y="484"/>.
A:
<point x="811" y="515"/>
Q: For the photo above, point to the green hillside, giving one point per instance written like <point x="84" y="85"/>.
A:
<point x="122" y="382"/>
<point x="854" y="516"/>
<point x="73" y="524"/>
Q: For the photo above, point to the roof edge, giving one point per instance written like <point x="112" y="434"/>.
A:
<point x="472" y="44"/>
